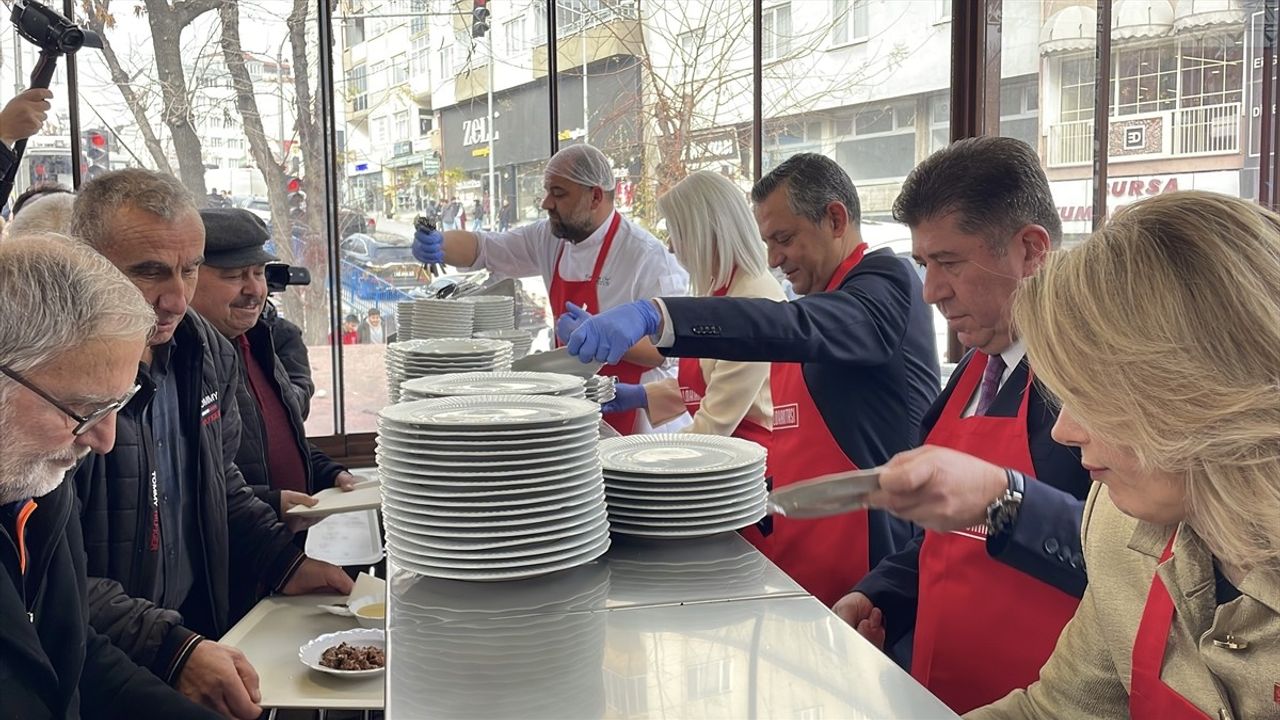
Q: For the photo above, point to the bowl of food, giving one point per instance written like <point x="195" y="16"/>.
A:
<point x="349" y="654"/>
<point x="370" y="611"/>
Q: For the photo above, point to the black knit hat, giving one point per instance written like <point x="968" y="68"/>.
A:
<point x="233" y="238"/>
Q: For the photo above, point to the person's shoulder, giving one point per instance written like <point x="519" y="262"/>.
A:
<point x="764" y="285"/>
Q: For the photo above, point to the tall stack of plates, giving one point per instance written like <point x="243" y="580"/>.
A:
<point x="521" y="339"/>
<point x="492" y="487"/>
<point x="493" y="312"/>
<point x="682" y="485"/>
<point x="437" y="356"/>
<point x="507" y="382"/>
<point x="436" y="318"/>
<point x="601" y="388"/>
<point x="405" y="320"/>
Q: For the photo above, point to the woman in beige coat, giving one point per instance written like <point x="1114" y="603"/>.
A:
<point x="715" y="238"/>
<point x="1161" y="337"/>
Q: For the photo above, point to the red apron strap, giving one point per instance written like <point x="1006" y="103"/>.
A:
<point x="845" y="266"/>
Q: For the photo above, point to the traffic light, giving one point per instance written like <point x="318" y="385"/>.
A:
<point x="479" y="18"/>
<point x="297" y="198"/>
<point x="97" y="152"/>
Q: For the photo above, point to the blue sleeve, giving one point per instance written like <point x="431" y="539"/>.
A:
<point x="1044" y="541"/>
<point x="894" y="586"/>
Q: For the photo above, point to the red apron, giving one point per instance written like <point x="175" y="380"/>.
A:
<point x="583" y="294"/>
<point x="982" y="627"/>
<point x="693" y="387"/>
<point x="827" y="557"/>
<point x="1149" y="697"/>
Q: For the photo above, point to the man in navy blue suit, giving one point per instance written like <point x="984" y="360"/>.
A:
<point x="998" y="565"/>
<point x="855" y="361"/>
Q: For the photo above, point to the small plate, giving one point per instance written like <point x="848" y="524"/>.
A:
<point x="311" y="651"/>
<point x="491" y="411"/>
<point x="683" y="453"/>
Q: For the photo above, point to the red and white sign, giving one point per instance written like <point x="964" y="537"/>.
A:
<point x="1074" y="198"/>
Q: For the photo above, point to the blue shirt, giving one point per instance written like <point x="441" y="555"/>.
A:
<point x="173" y="472"/>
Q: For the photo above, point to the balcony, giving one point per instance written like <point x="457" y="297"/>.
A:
<point x="1185" y="132"/>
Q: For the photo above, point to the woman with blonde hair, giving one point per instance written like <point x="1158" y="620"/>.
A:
<point x="1161" y="338"/>
<point x="715" y="238"/>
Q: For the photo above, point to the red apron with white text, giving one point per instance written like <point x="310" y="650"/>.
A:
<point x="693" y="387"/>
<point x="1149" y="697"/>
<point x="583" y="294"/>
<point x="827" y="556"/>
<point x="982" y="627"/>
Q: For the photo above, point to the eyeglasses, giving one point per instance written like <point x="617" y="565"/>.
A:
<point x="84" y="423"/>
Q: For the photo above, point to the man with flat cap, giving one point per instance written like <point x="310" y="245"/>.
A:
<point x="588" y="254"/>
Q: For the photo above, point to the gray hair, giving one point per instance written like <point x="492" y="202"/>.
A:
<point x="101" y="198"/>
<point x="712" y="231"/>
<point x="47" y="213"/>
<point x="583" y="164"/>
<point x="812" y="182"/>
<point x="56" y="295"/>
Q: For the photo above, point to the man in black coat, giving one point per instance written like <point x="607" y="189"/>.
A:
<point x="1001" y="501"/>
<point x="71" y="331"/>
<point x="167" y="513"/>
<point x="861" y="332"/>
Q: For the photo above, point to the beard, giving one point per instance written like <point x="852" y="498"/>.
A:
<point x="566" y="229"/>
<point x="28" y="469"/>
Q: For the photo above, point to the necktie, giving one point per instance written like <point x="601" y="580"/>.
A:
<point x="990" y="383"/>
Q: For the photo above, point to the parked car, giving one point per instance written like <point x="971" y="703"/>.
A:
<point x="352" y="221"/>
<point x="380" y="267"/>
<point x="258" y="206"/>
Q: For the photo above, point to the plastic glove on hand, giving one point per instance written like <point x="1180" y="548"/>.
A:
<point x="428" y="247"/>
<point x="627" y="397"/>
<point x="608" y="336"/>
<point x="569" y="321"/>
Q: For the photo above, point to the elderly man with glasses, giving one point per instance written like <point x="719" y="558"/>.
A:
<point x="71" y="331"/>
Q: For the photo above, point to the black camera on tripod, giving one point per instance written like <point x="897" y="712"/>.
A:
<point x="281" y="275"/>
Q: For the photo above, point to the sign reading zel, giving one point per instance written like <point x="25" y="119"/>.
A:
<point x="476" y="131"/>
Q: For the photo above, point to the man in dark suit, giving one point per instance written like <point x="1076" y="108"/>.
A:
<point x="855" y="368"/>
<point x="998" y="565"/>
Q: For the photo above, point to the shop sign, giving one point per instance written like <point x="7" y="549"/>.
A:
<point x="1074" y="198"/>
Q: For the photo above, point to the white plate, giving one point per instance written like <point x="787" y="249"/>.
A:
<point x="428" y="486"/>
<point x="438" y="476"/>
<point x="311" y="651"/>
<point x="332" y="501"/>
<point x="684" y="489"/>
<point x="675" y="478"/>
<point x="567" y="549"/>
<point x="514" y="501"/>
<point x="451" y="346"/>
<point x="684" y="453"/>
<point x="428" y="512"/>
<point x="417" y="459"/>
<point x="703" y="514"/>
<point x="494" y="436"/>
<point x="491" y="411"/>
<point x="487" y="451"/>
<point x="498" y="383"/>
<point x="660" y="502"/>
<point x="490" y="522"/>
<point x="688" y="531"/>
<point x="521" y="547"/>
<point x="452" y="539"/>
<point x="581" y="558"/>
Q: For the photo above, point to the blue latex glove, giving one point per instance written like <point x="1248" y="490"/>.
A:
<point x="428" y="247"/>
<point x="627" y="397"/>
<point x="608" y="336"/>
<point x="569" y="321"/>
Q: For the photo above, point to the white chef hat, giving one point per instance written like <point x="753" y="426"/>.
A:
<point x="583" y="164"/>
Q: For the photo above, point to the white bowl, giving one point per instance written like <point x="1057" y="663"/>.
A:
<point x="368" y="622"/>
<point x="310" y="653"/>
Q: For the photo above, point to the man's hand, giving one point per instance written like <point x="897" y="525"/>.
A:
<point x="313" y="576"/>
<point x="939" y="488"/>
<point x="568" y="322"/>
<point x="291" y="499"/>
<point x="857" y="610"/>
<point x="221" y="679"/>
<point x="626" y="397"/>
<point x="345" y="481"/>
<point x="24" y="115"/>
<point x="428" y="247"/>
<point x="608" y="336"/>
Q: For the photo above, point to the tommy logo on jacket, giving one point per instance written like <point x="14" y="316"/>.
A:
<point x="209" y="410"/>
<point x="154" y="544"/>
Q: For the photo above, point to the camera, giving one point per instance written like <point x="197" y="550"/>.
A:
<point x="282" y="275"/>
<point x="50" y="31"/>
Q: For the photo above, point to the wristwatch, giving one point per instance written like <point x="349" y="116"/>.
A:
<point x="1002" y="513"/>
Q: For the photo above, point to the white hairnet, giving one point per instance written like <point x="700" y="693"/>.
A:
<point x="583" y="164"/>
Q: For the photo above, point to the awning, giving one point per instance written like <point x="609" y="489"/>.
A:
<point x="1132" y="19"/>
<point x="1197" y="14"/>
<point x="403" y="161"/>
<point x="1069" y="29"/>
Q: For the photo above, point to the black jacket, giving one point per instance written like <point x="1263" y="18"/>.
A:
<point x="239" y="533"/>
<point x="55" y="665"/>
<point x="291" y="350"/>
<point x="869" y="354"/>
<point x="252" y="457"/>
<point x="1044" y="542"/>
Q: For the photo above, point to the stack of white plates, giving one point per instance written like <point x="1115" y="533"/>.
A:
<point x="492" y="487"/>
<point x="493" y="312"/>
<point x="521" y="339"/>
<point x="436" y="318"/>
<point x="437" y="356"/>
<point x="601" y="388"/>
<point x="507" y="382"/>
<point x="405" y="312"/>
<point x="682" y="485"/>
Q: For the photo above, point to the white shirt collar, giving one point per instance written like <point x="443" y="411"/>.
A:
<point x="1012" y="357"/>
